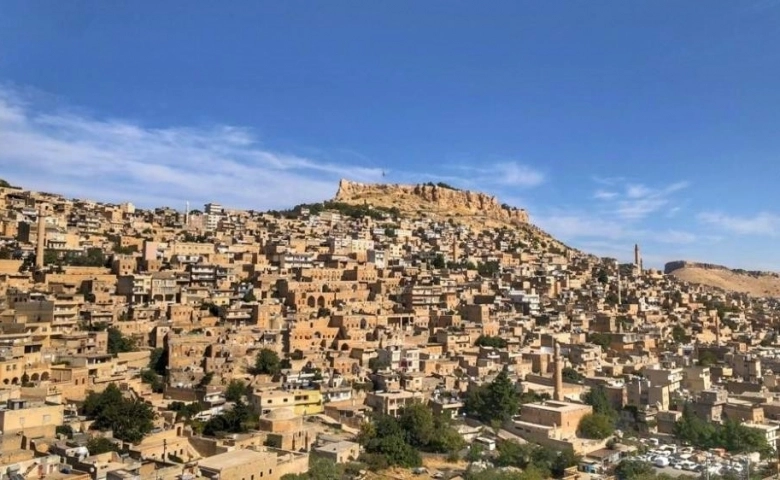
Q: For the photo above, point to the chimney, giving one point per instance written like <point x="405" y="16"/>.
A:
<point x="558" y="393"/>
<point x="39" y="250"/>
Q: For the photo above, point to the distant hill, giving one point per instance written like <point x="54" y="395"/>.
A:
<point x="759" y="284"/>
<point x="443" y="202"/>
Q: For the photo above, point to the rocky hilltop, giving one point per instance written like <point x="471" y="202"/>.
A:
<point x="433" y="200"/>
<point x="760" y="284"/>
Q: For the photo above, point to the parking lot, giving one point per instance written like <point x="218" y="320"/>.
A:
<point x="676" y="460"/>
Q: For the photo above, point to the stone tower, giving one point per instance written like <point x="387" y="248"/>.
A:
<point x="558" y="364"/>
<point x="41" y="245"/>
<point x="637" y="257"/>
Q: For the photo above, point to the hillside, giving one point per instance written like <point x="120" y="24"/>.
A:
<point x="760" y="284"/>
<point x="442" y="202"/>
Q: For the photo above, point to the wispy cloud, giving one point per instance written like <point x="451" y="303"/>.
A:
<point x="763" y="223"/>
<point x="608" y="181"/>
<point x="498" y="175"/>
<point x="676" y="237"/>
<point x="578" y="225"/>
<point x="637" y="201"/>
<point x="117" y="160"/>
<point x="605" y="195"/>
<point x="620" y="213"/>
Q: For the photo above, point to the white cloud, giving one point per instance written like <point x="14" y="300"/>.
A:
<point x="605" y="195"/>
<point x="118" y="160"/>
<point x="496" y="175"/>
<point x="675" y="237"/>
<point x="763" y="223"/>
<point x="638" y="201"/>
<point x="569" y="226"/>
<point x="512" y="174"/>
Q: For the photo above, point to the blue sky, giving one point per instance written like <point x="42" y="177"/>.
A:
<point x="612" y="122"/>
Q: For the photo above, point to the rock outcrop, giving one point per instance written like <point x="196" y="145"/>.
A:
<point x="431" y="198"/>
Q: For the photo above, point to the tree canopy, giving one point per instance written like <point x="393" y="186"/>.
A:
<point x="595" y="426"/>
<point x="267" y="362"/>
<point x="490" y="341"/>
<point x="236" y="420"/>
<point x="118" y="343"/>
<point x="571" y="375"/>
<point x="319" y="469"/>
<point x="629" y="469"/>
<point x="496" y="401"/>
<point x="129" y="419"/>
<point x="731" y="435"/>
<point x="399" y="441"/>
<point x="530" y="456"/>
<point x="235" y="390"/>
<point x="98" y="445"/>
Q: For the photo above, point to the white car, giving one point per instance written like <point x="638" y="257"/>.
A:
<point x="661" y="462"/>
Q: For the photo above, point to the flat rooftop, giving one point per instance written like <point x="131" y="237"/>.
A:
<point x="233" y="459"/>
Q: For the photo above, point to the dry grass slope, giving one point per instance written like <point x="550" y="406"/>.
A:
<point x="764" y="285"/>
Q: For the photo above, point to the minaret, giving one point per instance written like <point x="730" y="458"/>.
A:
<point x="637" y="257"/>
<point x="187" y="215"/>
<point x="39" y="250"/>
<point x="620" y="295"/>
<point x="558" y="393"/>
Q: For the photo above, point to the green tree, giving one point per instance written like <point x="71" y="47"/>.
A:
<point x="235" y="390"/>
<point x="630" y="469"/>
<point x="514" y="454"/>
<point x="475" y="453"/>
<point x="389" y="441"/>
<point x="603" y="277"/>
<point x="151" y="378"/>
<point x="571" y="375"/>
<point x="250" y="297"/>
<point x="497" y="400"/>
<point x="417" y="421"/>
<point x="98" y="445"/>
<point x="206" y="380"/>
<point x="319" y="469"/>
<point x="376" y="364"/>
<point x="679" y="335"/>
<point x="438" y="262"/>
<point x="544" y="461"/>
<point x="731" y="435"/>
<point x="236" y="420"/>
<point x="266" y="363"/>
<point x="158" y="361"/>
<point x="129" y="419"/>
<point x="489" y="341"/>
<point x="495" y="474"/>
<point x="601" y="339"/>
<point x="488" y="269"/>
<point x="707" y="358"/>
<point x="118" y="343"/>
<point x="596" y="426"/>
<point x="185" y="411"/>
<point x="598" y="399"/>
